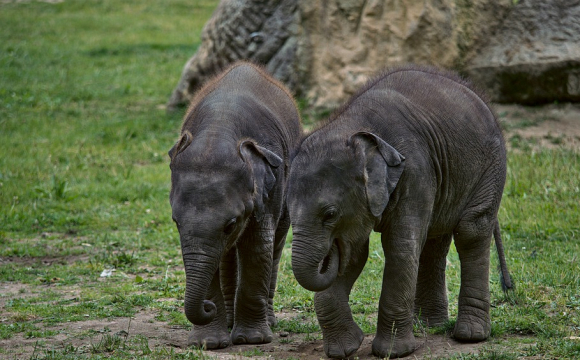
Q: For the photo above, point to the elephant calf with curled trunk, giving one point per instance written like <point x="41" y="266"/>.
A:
<point x="228" y="179"/>
<point x="418" y="156"/>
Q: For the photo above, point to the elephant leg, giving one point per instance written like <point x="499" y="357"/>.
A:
<point x="251" y="306"/>
<point x="472" y="240"/>
<point x="431" y="305"/>
<point x="279" y="241"/>
<point x="215" y="334"/>
<point x="341" y="335"/>
<point x="395" y="321"/>
<point x="229" y="282"/>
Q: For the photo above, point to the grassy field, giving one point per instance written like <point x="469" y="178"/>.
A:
<point x="84" y="183"/>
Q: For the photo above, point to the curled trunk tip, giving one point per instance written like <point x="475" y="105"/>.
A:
<point x="201" y="315"/>
<point x="201" y="280"/>
<point x="315" y="274"/>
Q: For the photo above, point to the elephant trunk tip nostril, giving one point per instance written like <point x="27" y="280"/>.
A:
<point x="208" y="307"/>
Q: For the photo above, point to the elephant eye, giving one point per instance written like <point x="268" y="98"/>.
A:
<point x="329" y="215"/>
<point x="230" y="226"/>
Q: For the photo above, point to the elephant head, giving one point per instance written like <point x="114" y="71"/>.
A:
<point x="215" y="189"/>
<point x="338" y="188"/>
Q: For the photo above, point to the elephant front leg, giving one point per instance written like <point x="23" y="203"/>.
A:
<point x="431" y="304"/>
<point x="341" y="335"/>
<point x="252" y="296"/>
<point x="394" y="336"/>
<point x="215" y="334"/>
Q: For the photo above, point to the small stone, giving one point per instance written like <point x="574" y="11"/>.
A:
<point x="284" y="334"/>
<point x="121" y="333"/>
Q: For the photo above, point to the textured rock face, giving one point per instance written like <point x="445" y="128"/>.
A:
<point x="343" y="42"/>
<point x="259" y="30"/>
<point x="535" y="55"/>
<point x="324" y="50"/>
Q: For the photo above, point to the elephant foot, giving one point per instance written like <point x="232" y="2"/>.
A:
<point x="391" y="347"/>
<point x="251" y="335"/>
<point x="272" y="321"/>
<point x="343" y="341"/>
<point x="432" y="314"/>
<point x="433" y="320"/>
<point x="202" y="337"/>
<point x="471" y="329"/>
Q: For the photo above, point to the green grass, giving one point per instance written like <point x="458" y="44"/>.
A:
<point x="84" y="184"/>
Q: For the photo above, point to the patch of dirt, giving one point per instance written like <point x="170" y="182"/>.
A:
<point x="10" y="290"/>
<point x="43" y="260"/>
<point x="84" y="336"/>
<point x="550" y="126"/>
<point x="295" y="346"/>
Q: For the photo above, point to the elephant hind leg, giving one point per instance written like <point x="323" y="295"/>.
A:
<point x="431" y="305"/>
<point x="229" y="282"/>
<point x="279" y="241"/>
<point x="472" y="240"/>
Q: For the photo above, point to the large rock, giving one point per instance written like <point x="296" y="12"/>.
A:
<point x="343" y="42"/>
<point x="519" y="51"/>
<point x="534" y="57"/>
<point x="256" y="30"/>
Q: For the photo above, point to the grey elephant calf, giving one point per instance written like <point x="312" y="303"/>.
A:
<point x="417" y="155"/>
<point x="228" y="179"/>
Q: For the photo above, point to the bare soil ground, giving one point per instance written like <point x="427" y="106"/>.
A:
<point x="539" y="127"/>
<point x="550" y="126"/>
<point x="84" y="336"/>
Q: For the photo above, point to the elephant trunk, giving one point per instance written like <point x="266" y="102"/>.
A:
<point x="200" y="268"/>
<point x="314" y="268"/>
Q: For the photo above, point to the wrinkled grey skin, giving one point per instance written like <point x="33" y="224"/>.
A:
<point x="228" y="177"/>
<point x="419" y="157"/>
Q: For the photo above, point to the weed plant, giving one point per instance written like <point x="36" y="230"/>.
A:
<point x="84" y="184"/>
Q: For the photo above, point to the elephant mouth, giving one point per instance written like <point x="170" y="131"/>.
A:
<point x="326" y="263"/>
<point x="313" y="272"/>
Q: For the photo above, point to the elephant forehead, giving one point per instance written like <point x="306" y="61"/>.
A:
<point x="210" y="187"/>
<point x="319" y="151"/>
<point x="322" y="171"/>
<point x="322" y="185"/>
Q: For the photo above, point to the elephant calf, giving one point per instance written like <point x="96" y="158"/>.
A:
<point x="228" y="180"/>
<point x="418" y="156"/>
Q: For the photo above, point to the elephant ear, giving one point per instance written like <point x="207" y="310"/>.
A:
<point x="181" y="145"/>
<point x="262" y="162"/>
<point x="383" y="168"/>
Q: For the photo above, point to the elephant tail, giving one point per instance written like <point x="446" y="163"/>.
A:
<point x="506" y="281"/>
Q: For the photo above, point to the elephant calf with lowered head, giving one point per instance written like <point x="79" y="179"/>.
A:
<point x="418" y="156"/>
<point x="228" y="179"/>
